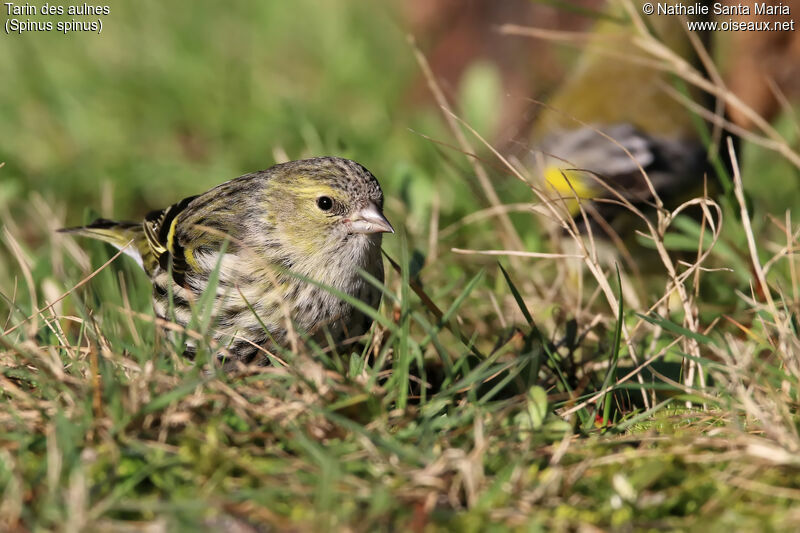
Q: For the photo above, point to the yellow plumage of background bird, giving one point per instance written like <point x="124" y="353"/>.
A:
<point x="261" y="234"/>
<point x="619" y="90"/>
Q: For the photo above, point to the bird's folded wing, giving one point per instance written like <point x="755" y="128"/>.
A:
<point x="159" y="231"/>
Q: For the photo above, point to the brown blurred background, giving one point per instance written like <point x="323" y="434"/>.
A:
<point x="456" y="33"/>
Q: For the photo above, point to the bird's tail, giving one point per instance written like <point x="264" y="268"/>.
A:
<point x="126" y="236"/>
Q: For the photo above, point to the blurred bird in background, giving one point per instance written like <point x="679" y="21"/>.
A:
<point x="611" y="86"/>
<point x="614" y="120"/>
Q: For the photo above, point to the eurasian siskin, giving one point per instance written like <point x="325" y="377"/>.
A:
<point x="622" y="90"/>
<point x="264" y="235"/>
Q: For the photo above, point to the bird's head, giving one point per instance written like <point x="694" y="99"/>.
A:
<point x="324" y="204"/>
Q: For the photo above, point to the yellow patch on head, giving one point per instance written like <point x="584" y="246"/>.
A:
<point x="302" y="189"/>
<point x="294" y="211"/>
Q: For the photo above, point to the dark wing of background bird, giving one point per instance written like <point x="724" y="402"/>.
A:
<point x="672" y="165"/>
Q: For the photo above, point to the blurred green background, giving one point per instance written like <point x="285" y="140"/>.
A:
<point x="174" y="98"/>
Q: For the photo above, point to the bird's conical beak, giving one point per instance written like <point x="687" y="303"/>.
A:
<point x="369" y="220"/>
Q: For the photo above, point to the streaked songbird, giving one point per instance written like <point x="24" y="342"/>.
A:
<point x="270" y="242"/>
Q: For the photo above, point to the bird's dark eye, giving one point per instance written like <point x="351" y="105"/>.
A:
<point x="324" y="203"/>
